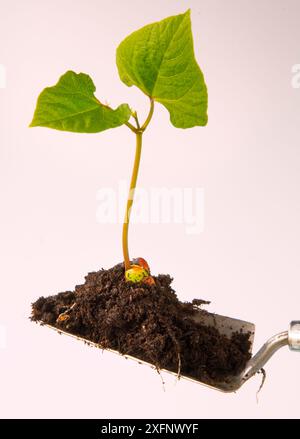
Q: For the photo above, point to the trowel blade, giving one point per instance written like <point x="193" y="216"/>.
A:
<point x="225" y="325"/>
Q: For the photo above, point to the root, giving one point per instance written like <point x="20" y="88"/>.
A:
<point x="179" y="366"/>
<point x="161" y="377"/>
<point x="65" y="315"/>
<point x="264" y="376"/>
<point x="177" y="348"/>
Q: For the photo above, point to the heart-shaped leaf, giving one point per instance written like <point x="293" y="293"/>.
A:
<point x="159" y="59"/>
<point x="71" y="105"/>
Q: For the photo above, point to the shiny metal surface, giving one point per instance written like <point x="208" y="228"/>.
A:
<point x="257" y="362"/>
<point x="227" y="326"/>
<point x="294" y="335"/>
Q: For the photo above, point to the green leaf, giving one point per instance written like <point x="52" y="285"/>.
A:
<point x="159" y="59"/>
<point x="71" y="105"/>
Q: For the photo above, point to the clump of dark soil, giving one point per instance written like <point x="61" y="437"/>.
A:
<point x="148" y="322"/>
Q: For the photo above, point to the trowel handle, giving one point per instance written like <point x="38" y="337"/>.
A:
<point x="294" y="336"/>
<point x="257" y="362"/>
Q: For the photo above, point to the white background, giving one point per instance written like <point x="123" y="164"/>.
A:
<point x="247" y="160"/>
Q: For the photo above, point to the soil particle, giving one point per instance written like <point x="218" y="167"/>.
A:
<point x="145" y="321"/>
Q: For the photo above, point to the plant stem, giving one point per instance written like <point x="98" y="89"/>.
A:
<point x="147" y="121"/>
<point x="136" y="165"/>
<point x="129" y="125"/>
<point x="139" y="133"/>
<point x="136" y="120"/>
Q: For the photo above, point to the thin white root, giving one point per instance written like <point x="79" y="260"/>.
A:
<point x="264" y="376"/>
<point x="179" y="367"/>
<point x="162" y="380"/>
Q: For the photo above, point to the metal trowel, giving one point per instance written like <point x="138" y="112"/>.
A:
<point x="227" y="326"/>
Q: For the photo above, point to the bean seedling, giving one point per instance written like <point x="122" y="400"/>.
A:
<point x="158" y="59"/>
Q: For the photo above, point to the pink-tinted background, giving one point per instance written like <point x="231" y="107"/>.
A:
<point x="247" y="160"/>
